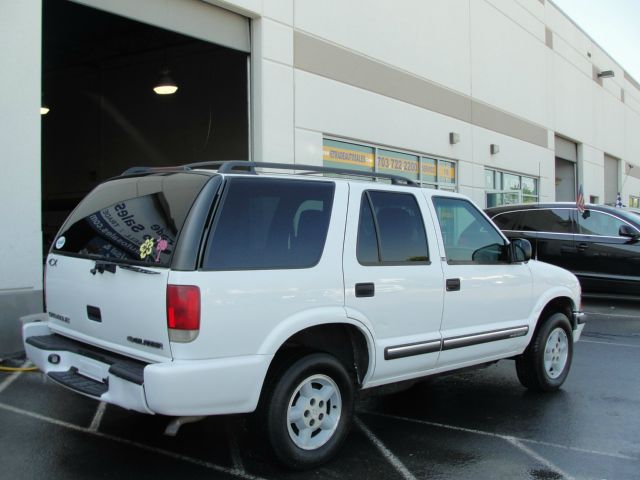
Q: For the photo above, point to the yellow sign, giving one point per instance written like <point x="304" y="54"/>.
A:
<point x="387" y="162"/>
<point x="428" y="169"/>
<point x="346" y="156"/>
<point x="446" y="172"/>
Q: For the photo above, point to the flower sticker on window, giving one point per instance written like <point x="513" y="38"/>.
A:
<point x="161" y="246"/>
<point x="146" y="248"/>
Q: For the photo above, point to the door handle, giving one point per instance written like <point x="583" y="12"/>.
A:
<point x="365" y="289"/>
<point x="583" y="246"/>
<point x="453" y="284"/>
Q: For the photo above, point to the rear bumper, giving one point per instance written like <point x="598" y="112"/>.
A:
<point x="186" y="387"/>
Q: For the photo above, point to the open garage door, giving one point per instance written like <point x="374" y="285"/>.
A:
<point x="100" y="67"/>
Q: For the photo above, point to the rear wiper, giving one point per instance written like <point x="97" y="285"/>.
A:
<point x="101" y="266"/>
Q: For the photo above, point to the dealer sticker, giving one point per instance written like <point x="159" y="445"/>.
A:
<point x="60" y="242"/>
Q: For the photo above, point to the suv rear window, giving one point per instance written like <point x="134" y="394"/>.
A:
<point x="270" y="223"/>
<point x="131" y="219"/>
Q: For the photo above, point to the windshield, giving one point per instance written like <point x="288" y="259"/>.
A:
<point x="134" y="219"/>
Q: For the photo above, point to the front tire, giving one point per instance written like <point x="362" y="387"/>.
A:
<point x="309" y="410"/>
<point x="545" y="363"/>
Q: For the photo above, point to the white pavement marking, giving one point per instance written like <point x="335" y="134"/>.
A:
<point x="235" y="451"/>
<point x="609" y="343"/>
<point x="97" y="418"/>
<point x="395" y="461"/>
<point x="504" y="437"/>
<point x="538" y="457"/>
<point x="618" y="315"/>
<point x="12" y="378"/>
<point x="124" y="441"/>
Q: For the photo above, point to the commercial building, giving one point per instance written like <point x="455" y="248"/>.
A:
<point x="502" y="100"/>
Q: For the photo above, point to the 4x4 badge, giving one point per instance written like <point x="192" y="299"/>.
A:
<point x="53" y="262"/>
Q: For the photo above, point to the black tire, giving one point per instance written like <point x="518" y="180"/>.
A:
<point x="318" y="372"/>
<point x="538" y="375"/>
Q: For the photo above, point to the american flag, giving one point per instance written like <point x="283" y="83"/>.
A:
<point x="580" y="200"/>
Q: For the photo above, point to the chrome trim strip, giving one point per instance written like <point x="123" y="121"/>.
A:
<point x="411" y="349"/>
<point x="478" y="338"/>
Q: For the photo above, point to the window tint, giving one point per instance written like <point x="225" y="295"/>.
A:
<point x="398" y="229"/>
<point x="557" y="220"/>
<point x="131" y="219"/>
<point x="367" y="249"/>
<point x="468" y="236"/>
<point x="270" y="223"/>
<point x="507" y="221"/>
<point x="597" y="223"/>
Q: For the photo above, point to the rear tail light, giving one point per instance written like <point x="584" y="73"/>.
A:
<point x="183" y="312"/>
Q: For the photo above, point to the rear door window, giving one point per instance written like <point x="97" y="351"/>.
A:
<point x="391" y="230"/>
<point x="270" y="223"/>
<point x="131" y="219"/>
<point x="552" y="220"/>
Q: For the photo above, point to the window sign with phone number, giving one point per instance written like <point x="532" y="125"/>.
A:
<point x="336" y="153"/>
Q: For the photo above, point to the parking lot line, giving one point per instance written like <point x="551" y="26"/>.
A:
<point x="235" y="450"/>
<point x="124" y="441"/>
<point x="97" y="418"/>
<point x="504" y="437"/>
<point x="610" y="343"/>
<point x="395" y="461"/>
<point x="611" y="315"/>
<point x="9" y="380"/>
<point x="551" y="466"/>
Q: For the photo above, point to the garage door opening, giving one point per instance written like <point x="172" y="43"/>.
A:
<point x="99" y="73"/>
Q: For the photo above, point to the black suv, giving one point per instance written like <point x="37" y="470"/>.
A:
<point x="600" y="245"/>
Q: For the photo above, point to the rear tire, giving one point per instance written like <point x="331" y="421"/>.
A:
<point x="308" y="410"/>
<point x="545" y="363"/>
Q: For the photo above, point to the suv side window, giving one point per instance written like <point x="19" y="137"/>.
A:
<point x="270" y="223"/>
<point x="468" y="236"/>
<point x="507" y="221"/>
<point x="597" y="223"/>
<point x="556" y="220"/>
<point x="391" y="230"/>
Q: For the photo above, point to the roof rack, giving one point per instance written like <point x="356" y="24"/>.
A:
<point x="242" y="166"/>
<point x="138" y="170"/>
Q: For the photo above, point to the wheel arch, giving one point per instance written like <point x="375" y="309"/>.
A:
<point x="559" y="304"/>
<point x="345" y="341"/>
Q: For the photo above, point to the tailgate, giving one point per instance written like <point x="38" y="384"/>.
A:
<point x="122" y="311"/>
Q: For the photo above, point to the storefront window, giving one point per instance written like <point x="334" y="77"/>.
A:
<point x="438" y="173"/>
<point x="508" y="188"/>
<point x="398" y="163"/>
<point x="337" y="154"/>
<point x="428" y="172"/>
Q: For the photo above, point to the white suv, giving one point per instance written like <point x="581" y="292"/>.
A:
<point x="192" y="291"/>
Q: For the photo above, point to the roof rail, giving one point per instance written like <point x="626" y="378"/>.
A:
<point x="243" y="166"/>
<point x="137" y="170"/>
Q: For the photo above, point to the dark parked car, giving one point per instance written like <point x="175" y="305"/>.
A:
<point x="601" y="246"/>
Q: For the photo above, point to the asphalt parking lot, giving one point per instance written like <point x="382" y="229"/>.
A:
<point x="478" y="424"/>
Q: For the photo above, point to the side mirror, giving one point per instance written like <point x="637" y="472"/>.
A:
<point x="520" y="250"/>
<point x="629" y="232"/>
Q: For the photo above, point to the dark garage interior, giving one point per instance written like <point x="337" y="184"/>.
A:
<point x="99" y="72"/>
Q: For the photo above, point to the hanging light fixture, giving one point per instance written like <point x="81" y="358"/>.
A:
<point x="166" y="85"/>
<point x="44" y="108"/>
